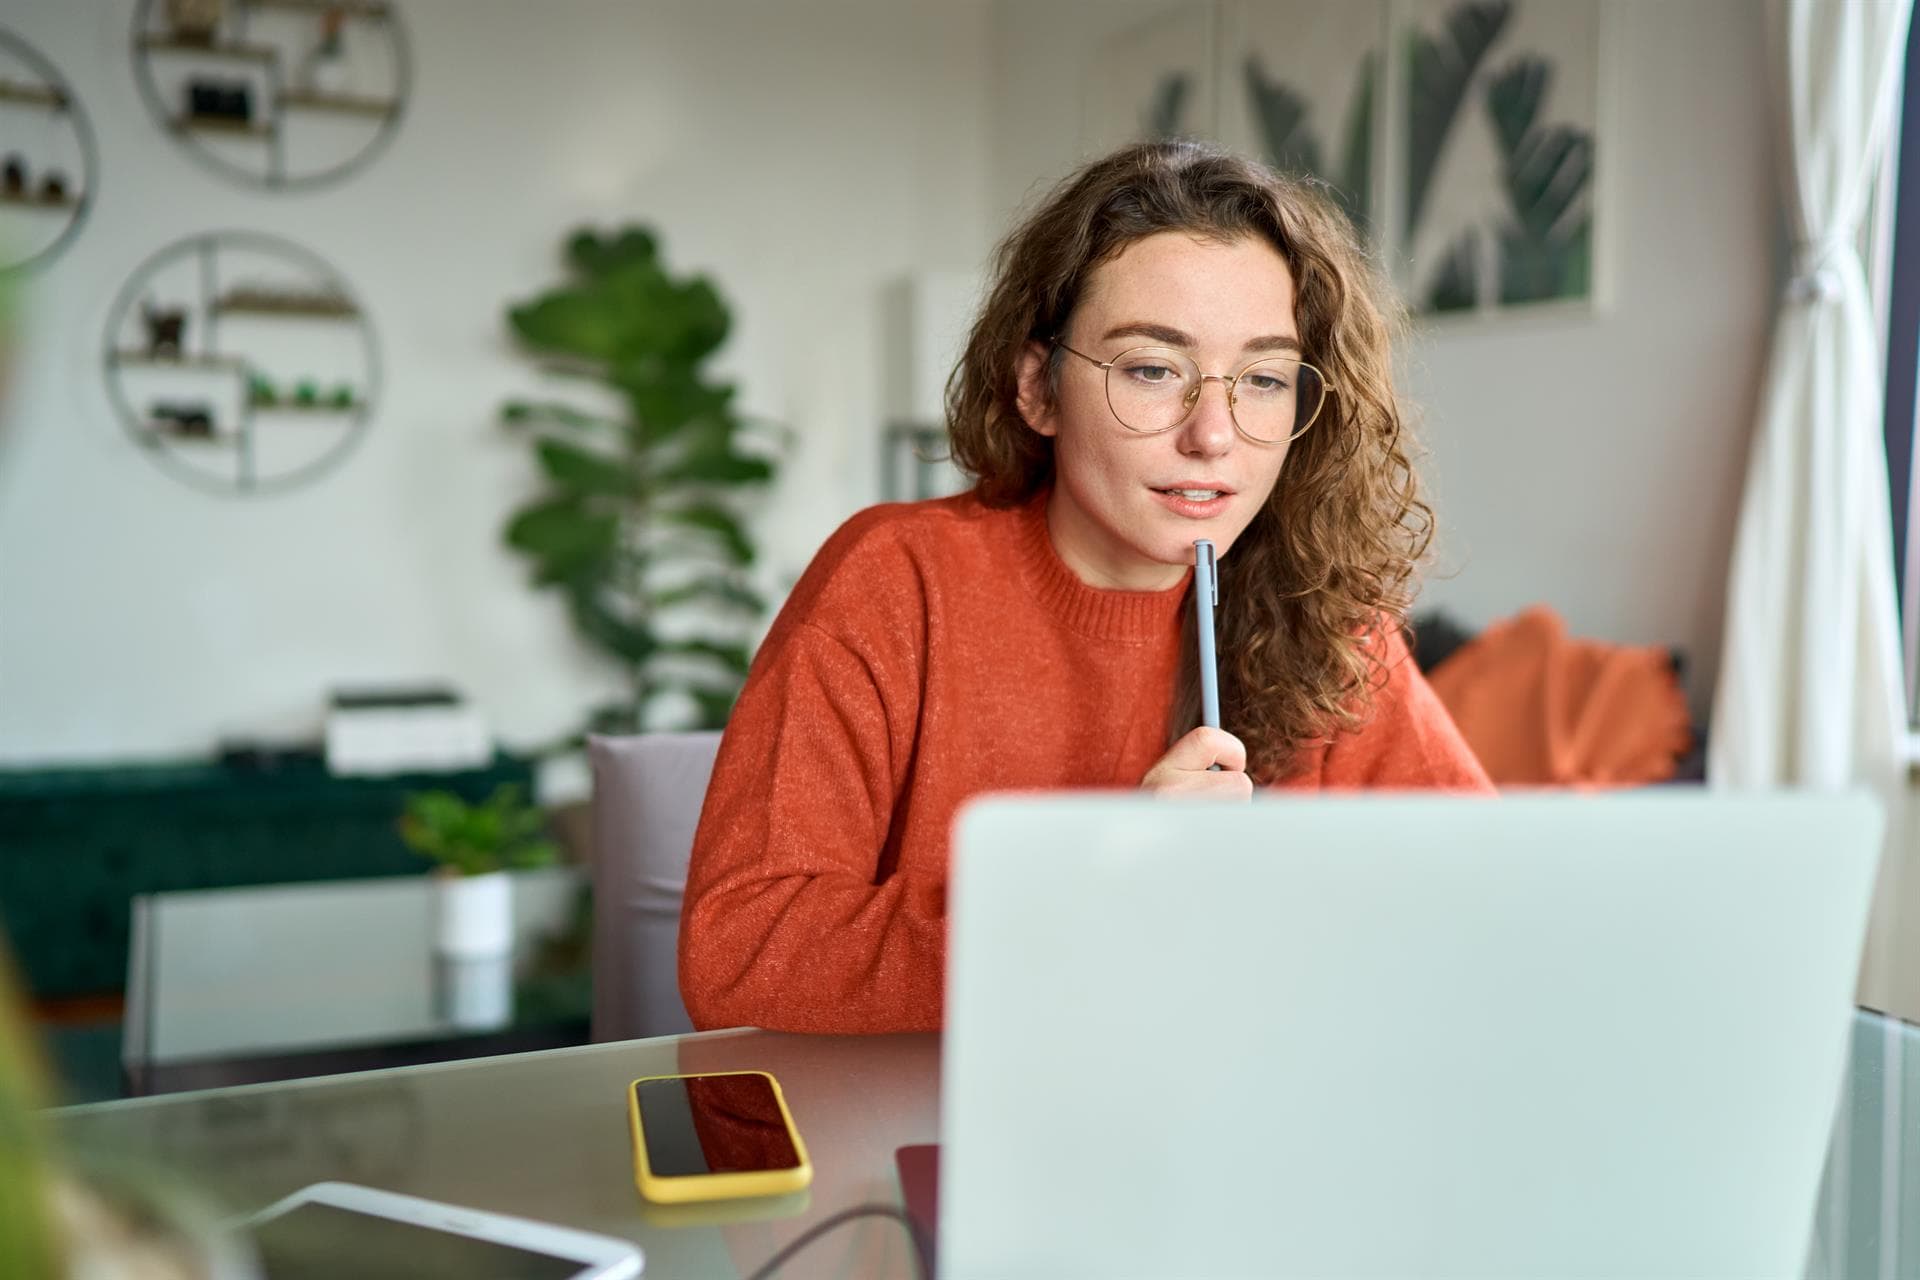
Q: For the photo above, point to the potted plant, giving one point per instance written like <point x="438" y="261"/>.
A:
<point x="475" y="845"/>
<point x="639" y="526"/>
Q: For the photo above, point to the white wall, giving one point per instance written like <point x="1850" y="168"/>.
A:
<point x="1596" y="464"/>
<point x="805" y="155"/>
<point x="1592" y="463"/>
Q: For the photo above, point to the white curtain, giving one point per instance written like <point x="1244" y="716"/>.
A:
<point x="1810" y="690"/>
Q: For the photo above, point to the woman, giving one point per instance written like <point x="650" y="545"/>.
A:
<point x="1178" y="345"/>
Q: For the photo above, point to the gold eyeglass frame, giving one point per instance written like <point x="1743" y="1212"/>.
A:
<point x="1228" y="382"/>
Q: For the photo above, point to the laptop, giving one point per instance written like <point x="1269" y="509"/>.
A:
<point x="1395" y="1035"/>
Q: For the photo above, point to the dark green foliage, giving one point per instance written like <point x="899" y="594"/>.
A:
<point x="1440" y="71"/>
<point x="1546" y="241"/>
<point x="1292" y="147"/>
<point x="1169" y="102"/>
<point x="1456" y="284"/>
<point x="637" y="517"/>
<point x="1355" y="190"/>
<point x="1514" y="98"/>
<point x="1282" y="116"/>
<point x="502" y="833"/>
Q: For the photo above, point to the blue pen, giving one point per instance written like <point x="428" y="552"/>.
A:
<point x="1206" y="597"/>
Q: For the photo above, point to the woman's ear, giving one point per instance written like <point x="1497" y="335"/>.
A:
<point x="1035" y="397"/>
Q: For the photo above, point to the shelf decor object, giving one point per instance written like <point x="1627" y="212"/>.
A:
<point x="48" y="161"/>
<point x="283" y="94"/>
<point x="241" y="363"/>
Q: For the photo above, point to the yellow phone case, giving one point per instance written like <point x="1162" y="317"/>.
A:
<point x="684" y="1189"/>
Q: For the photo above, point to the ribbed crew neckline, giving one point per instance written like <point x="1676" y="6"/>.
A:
<point x="1135" y="617"/>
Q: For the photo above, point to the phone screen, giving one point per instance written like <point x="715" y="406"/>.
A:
<point x="324" y="1241"/>
<point x="713" y="1124"/>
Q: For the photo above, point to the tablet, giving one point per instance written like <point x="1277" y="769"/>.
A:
<point x="336" y="1229"/>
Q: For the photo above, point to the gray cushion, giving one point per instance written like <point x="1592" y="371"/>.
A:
<point x="647" y="793"/>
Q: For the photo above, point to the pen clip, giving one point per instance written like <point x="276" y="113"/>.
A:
<point x="1204" y="564"/>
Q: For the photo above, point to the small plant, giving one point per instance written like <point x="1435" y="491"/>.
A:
<point x="503" y="833"/>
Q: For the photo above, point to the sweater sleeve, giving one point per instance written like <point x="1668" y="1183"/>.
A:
<point x="788" y="923"/>
<point x="1410" y="741"/>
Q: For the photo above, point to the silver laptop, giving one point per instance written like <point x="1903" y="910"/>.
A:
<point x="1397" y="1036"/>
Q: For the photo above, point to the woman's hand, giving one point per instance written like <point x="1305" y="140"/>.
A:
<point x="1184" y="770"/>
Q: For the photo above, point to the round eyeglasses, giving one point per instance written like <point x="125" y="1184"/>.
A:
<point x="1154" y="389"/>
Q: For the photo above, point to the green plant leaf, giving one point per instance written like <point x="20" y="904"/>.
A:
<point x="733" y="657"/>
<point x="1440" y="72"/>
<point x="719" y="522"/>
<point x="1355" y="191"/>
<point x="624" y="309"/>
<point x="617" y="718"/>
<point x="716" y="705"/>
<point x="520" y="413"/>
<point x="629" y="641"/>
<point x="726" y="468"/>
<point x="1513" y="100"/>
<point x="534" y="853"/>
<point x="711" y="590"/>
<point x="502" y="831"/>
<point x="592" y="255"/>
<point x="1281" y="112"/>
<point x="563" y="535"/>
<point x="707" y="456"/>
<point x="584" y="470"/>
<point x="1162" y="119"/>
<point x="1539" y="269"/>
<point x="575" y="323"/>
<point x="1545" y="243"/>
<point x="665" y="406"/>
<point x="1456" y="282"/>
<point x="1547" y="176"/>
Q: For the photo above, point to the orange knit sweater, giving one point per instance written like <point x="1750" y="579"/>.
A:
<point x="930" y="653"/>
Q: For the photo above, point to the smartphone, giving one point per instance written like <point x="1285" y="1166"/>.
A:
<point x="335" y="1229"/>
<point x="714" y="1137"/>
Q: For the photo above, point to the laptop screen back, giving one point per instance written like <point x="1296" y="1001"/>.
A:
<point x="1380" y="1035"/>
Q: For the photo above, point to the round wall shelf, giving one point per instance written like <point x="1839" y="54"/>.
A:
<point x="48" y="162"/>
<point x="241" y="363"/>
<point x="283" y="94"/>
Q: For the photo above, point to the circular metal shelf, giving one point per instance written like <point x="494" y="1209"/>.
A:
<point x="224" y="419"/>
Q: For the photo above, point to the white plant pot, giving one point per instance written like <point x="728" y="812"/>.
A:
<point x="474" y="993"/>
<point x="474" y="915"/>
<point x="473" y="942"/>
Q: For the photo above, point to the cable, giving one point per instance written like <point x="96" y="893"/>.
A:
<point x="920" y="1250"/>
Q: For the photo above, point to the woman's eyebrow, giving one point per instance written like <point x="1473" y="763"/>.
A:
<point x="1180" y="338"/>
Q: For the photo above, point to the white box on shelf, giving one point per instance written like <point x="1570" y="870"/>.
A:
<point x="373" y="732"/>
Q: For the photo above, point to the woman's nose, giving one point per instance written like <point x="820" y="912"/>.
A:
<point x="1208" y="429"/>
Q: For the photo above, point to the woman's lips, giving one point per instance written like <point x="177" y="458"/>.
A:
<point x="1193" y="508"/>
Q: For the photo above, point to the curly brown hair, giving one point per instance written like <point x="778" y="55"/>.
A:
<point x="1329" y="562"/>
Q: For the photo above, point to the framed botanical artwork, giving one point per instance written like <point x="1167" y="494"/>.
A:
<point x="1470" y="158"/>
<point x="1502" y="108"/>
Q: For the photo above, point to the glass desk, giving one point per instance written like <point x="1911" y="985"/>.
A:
<point x="236" y="986"/>
<point x="544" y="1135"/>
